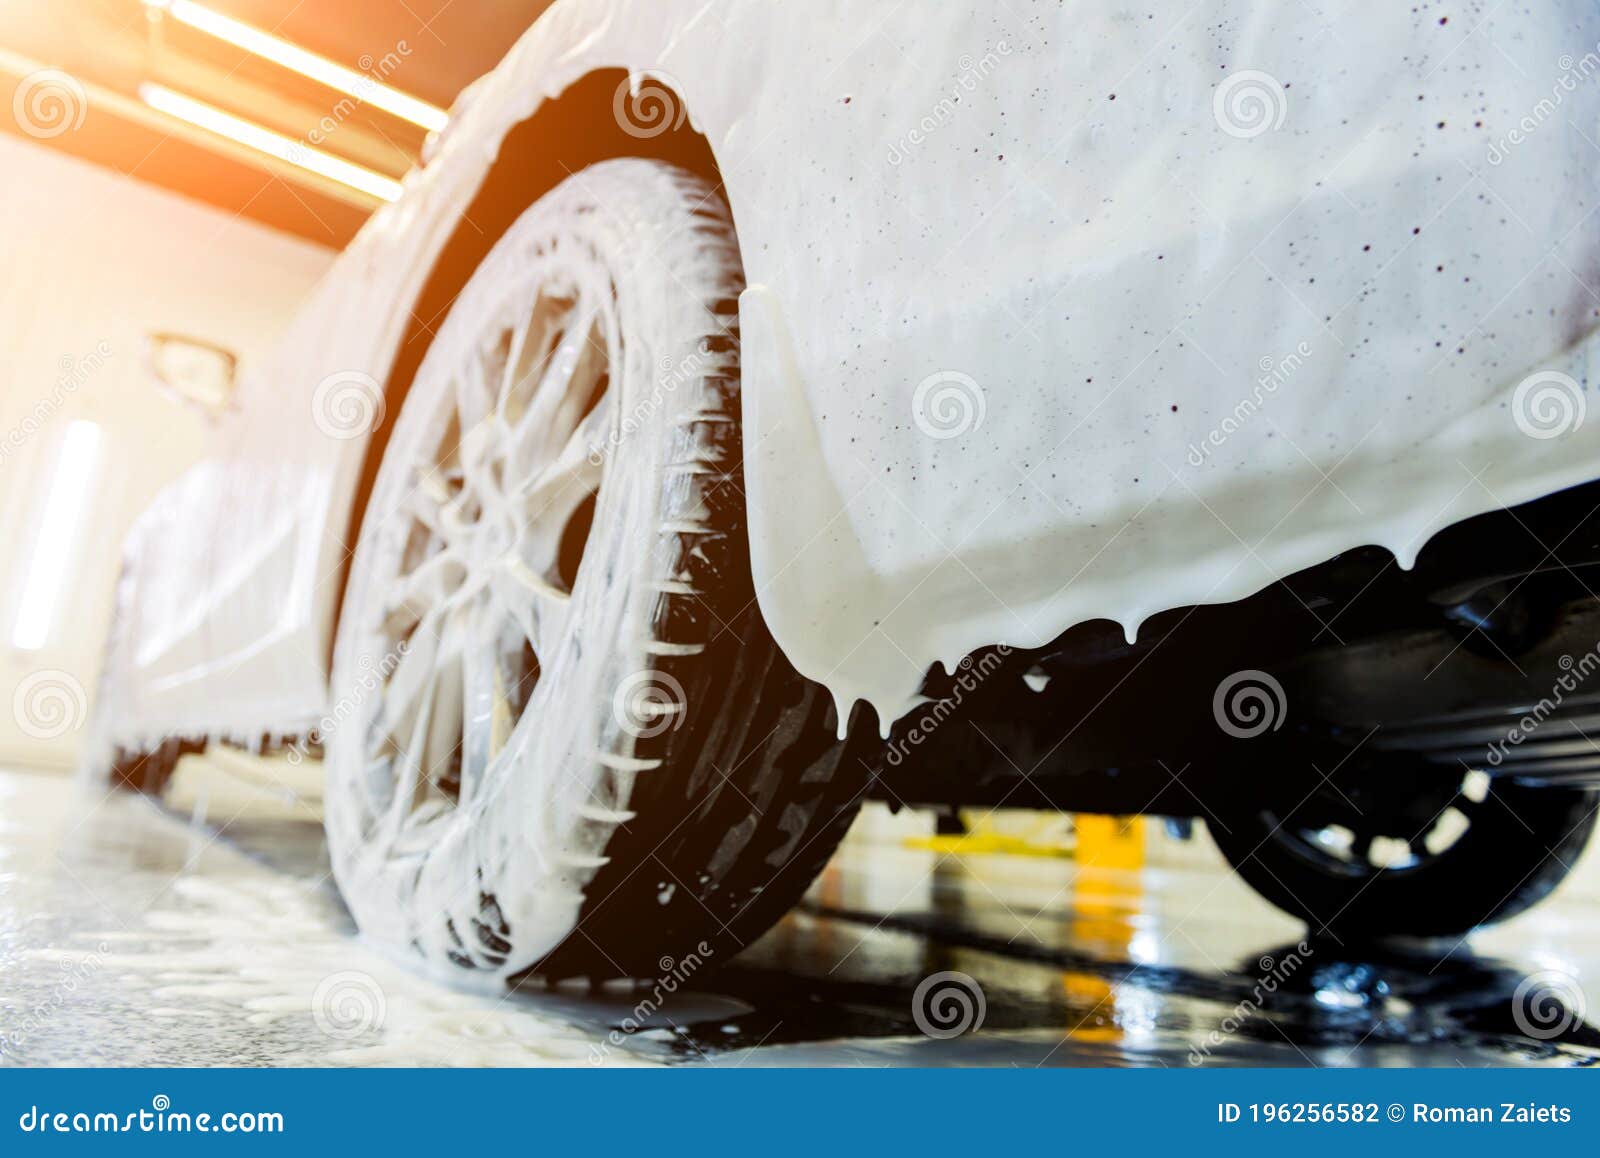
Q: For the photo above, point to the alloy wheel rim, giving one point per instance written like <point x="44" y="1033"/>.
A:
<point x="1362" y="850"/>
<point x="473" y="570"/>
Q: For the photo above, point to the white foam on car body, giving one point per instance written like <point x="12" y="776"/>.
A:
<point x="1102" y="242"/>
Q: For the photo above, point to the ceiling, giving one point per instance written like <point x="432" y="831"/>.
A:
<point x="428" y="48"/>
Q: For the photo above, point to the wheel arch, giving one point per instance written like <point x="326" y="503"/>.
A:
<point x="576" y="129"/>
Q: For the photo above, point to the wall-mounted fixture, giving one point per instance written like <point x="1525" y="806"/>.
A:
<point x="193" y="371"/>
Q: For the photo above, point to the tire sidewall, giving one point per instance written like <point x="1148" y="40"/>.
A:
<point x="1520" y="844"/>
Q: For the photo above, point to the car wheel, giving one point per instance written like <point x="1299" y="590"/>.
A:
<point x="137" y="768"/>
<point x="567" y="743"/>
<point x="1424" y="855"/>
<point x="149" y="772"/>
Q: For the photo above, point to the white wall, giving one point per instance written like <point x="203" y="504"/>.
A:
<point x="90" y="263"/>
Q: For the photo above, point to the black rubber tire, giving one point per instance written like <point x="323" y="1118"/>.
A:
<point x="715" y="858"/>
<point x="138" y="771"/>
<point x="132" y="769"/>
<point x="754" y="795"/>
<point x="149" y="772"/>
<point x="1521" y="843"/>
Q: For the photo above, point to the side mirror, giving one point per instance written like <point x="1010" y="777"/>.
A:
<point x="197" y="373"/>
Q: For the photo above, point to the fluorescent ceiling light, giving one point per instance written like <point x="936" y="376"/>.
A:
<point x="291" y="56"/>
<point x="266" y="141"/>
<point x="58" y="531"/>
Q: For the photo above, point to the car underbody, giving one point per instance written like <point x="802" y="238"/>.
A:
<point x="1478" y="656"/>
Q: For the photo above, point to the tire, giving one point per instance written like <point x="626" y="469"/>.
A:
<point x="149" y="772"/>
<point x="1519" y="843"/>
<point x="135" y="769"/>
<point x="647" y="785"/>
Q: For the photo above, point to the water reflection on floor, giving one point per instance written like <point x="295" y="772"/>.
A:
<point x="128" y="936"/>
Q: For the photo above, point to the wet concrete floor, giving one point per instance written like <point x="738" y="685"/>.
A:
<point x="206" y="931"/>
